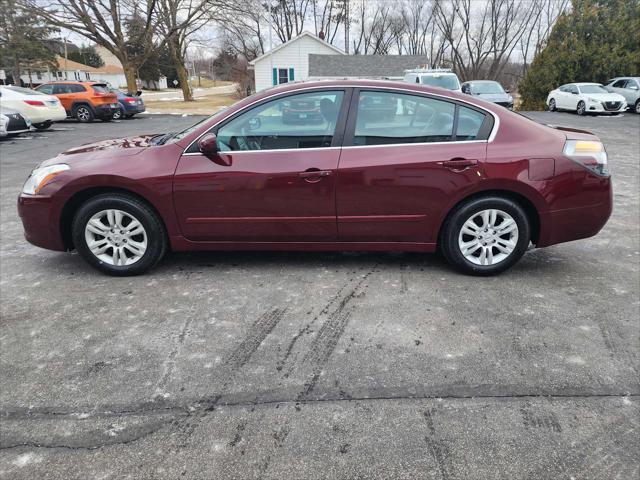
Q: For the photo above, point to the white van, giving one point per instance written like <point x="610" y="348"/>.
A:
<point x="435" y="77"/>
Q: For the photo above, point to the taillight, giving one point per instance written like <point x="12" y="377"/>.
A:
<point x="35" y="103"/>
<point x="589" y="153"/>
<point x="130" y="100"/>
<point x="98" y="94"/>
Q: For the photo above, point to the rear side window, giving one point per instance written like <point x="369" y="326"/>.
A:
<point x="100" y="88"/>
<point x="385" y="118"/>
<point x="75" y="88"/>
<point x="46" y="89"/>
<point x="469" y="123"/>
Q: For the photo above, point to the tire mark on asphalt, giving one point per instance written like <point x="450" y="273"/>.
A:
<point x="170" y="363"/>
<point x="439" y="451"/>
<point x="183" y="428"/>
<point x="324" y="344"/>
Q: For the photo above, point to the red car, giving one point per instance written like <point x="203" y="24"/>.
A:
<point x="440" y="170"/>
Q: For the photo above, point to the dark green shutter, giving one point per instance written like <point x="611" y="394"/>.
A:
<point x="291" y="77"/>
<point x="275" y="76"/>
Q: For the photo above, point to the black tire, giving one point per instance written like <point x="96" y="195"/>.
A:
<point x="83" y="113"/>
<point x="552" y="105"/>
<point x="636" y="107"/>
<point x="130" y="115"/>
<point x="450" y="233"/>
<point x="156" y="234"/>
<point x="43" y="126"/>
<point x="581" y="108"/>
<point x="118" y="114"/>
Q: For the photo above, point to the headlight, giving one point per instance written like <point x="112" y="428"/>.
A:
<point x="41" y="176"/>
<point x="592" y="100"/>
<point x="588" y="153"/>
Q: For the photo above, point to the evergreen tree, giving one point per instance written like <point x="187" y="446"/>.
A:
<point x="86" y="56"/>
<point x="23" y="41"/>
<point x="595" y="41"/>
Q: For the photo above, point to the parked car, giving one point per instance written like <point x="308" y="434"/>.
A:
<point x="41" y="109"/>
<point x="629" y="88"/>
<point x="302" y="111"/>
<point x="129" y="104"/>
<point x="585" y="98"/>
<point x="13" y="122"/>
<point x="436" y="77"/>
<point x="447" y="171"/>
<point x="490" y="91"/>
<point x="83" y="101"/>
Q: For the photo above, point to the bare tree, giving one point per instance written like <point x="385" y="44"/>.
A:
<point x="287" y="17"/>
<point x="103" y="22"/>
<point x="329" y="16"/>
<point x="178" y="21"/>
<point x="242" y="23"/>
<point x="378" y="25"/>
<point x="481" y="36"/>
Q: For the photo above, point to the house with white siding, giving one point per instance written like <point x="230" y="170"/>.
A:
<point x="290" y="61"/>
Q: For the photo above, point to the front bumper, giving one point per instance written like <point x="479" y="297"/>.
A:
<point x="600" y="107"/>
<point x="41" y="222"/>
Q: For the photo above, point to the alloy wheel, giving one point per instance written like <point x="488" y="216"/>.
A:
<point x="488" y="237"/>
<point x="552" y="105"/>
<point x="117" y="115"/>
<point x="116" y="237"/>
<point x="581" y="108"/>
<point x="638" y="106"/>
<point x="83" y="114"/>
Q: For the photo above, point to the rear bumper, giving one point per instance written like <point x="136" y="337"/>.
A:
<point x="104" y="111"/>
<point x="570" y="224"/>
<point x="40" y="221"/>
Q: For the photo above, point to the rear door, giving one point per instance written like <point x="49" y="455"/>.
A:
<point x="275" y="175"/>
<point x="65" y="94"/>
<point x="403" y="157"/>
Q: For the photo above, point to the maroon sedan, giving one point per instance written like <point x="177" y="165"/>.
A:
<point x="438" y="170"/>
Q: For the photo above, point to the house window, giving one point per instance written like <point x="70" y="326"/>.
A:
<point x="283" y="75"/>
<point x="39" y="75"/>
<point x="86" y="74"/>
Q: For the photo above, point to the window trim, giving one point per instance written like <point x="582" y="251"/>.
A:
<point x="486" y="132"/>
<point x="336" y="140"/>
<point x="347" y="88"/>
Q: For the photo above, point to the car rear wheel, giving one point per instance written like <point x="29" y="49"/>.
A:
<point x="119" y="234"/>
<point x="552" y="105"/>
<point x="83" y="114"/>
<point x="485" y="236"/>
<point x="117" y="115"/>
<point x="582" y="108"/>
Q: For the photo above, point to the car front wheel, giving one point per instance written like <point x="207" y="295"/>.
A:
<point x="119" y="234"/>
<point x="637" y="106"/>
<point x="485" y="236"/>
<point x="582" y="108"/>
<point x="552" y="105"/>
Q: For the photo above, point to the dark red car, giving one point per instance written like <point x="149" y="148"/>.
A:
<point x="438" y="170"/>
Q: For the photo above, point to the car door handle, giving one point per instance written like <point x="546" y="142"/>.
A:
<point x="314" y="175"/>
<point x="460" y="163"/>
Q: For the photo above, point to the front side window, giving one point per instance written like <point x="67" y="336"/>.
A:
<point x="593" y="89"/>
<point x="620" y="84"/>
<point x="386" y="118"/>
<point x="306" y="120"/>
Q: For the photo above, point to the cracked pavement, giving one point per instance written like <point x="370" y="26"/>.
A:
<point x="321" y="365"/>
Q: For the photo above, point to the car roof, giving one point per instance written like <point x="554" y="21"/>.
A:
<point x="481" y="81"/>
<point x="584" y="83"/>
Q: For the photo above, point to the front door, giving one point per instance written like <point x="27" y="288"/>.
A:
<point x="275" y="176"/>
<point x="400" y="163"/>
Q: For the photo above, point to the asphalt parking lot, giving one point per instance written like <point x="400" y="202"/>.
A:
<point x="303" y="366"/>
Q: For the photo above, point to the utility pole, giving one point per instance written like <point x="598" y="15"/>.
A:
<point x="346" y="26"/>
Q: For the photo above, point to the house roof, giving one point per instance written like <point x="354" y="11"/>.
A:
<point x="71" y="66"/>
<point x="372" y="66"/>
<point x="302" y="35"/>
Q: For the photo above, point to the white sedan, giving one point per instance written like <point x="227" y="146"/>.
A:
<point x="584" y="98"/>
<point x="41" y="109"/>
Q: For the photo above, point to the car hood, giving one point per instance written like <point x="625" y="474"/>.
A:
<point x="494" y="97"/>
<point x="117" y="147"/>
<point x="605" y="97"/>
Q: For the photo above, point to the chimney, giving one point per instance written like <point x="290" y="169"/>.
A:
<point x="321" y="35"/>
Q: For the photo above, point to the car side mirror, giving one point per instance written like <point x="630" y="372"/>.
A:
<point x="574" y="93"/>
<point x="506" y="90"/>
<point x="208" y="146"/>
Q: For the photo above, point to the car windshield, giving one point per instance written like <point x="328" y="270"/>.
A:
<point x="487" y="88"/>
<point x="174" y="137"/>
<point x="450" y="82"/>
<point x="592" y="89"/>
<point x="24" y="91"/>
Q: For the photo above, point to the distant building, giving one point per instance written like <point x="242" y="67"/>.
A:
<point x="110" y="60"/>
<point x="308" y="57"/>
<point x="290" y="61"/>
<point x="70" y="70"/>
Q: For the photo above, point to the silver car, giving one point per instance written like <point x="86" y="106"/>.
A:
<point x="629" y="88"/>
